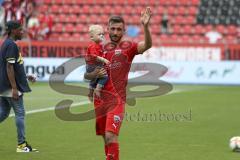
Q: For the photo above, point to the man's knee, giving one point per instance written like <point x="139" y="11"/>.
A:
<point x="110" y="137"/>
<point x="3" y="116"/>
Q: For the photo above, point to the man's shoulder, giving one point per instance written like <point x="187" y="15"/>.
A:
<point x="9" y="42"/>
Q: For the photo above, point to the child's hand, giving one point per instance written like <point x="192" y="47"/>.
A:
<point x="106" y="61"/>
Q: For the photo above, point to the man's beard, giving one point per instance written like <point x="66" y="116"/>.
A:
<point x="115" y="37"/>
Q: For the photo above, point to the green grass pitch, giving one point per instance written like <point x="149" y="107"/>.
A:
<point x="191" y="122"/>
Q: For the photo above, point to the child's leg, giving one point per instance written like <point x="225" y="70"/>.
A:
<point x="92" y="86"/>
<point x="100" y="85"/>
<point x="92" y="83"/>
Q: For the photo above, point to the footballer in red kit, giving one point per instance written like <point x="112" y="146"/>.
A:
<point x="110" y="107"/>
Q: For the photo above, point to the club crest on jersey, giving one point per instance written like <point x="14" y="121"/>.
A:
<point x="118" y="51"/>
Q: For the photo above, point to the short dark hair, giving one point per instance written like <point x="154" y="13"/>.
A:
<point x="116" y="19"/>
<point x="11" y="25"/>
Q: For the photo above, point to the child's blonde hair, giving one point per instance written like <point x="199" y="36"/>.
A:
<point x="93" y="28"/>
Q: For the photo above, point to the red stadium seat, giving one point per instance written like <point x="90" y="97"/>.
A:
<point x="153" y="2"/>
<point x="173" y="2"/>
<point x="54" y="37"/>
<point x="76" y="37"/>
<point x="159" y="10"/>
<point x="69" y="2"/>
<point x="221" y="29"/>
<point x="43" y="8"/>
<point x="65" y="37"/>
<point x="55" y="9"/>
<point x="58" y="2"/>
<point x="117" y="10"/>
<point x="76" y="9"/>
<point x="55" y="18"/>
<point x="208" y="28"/>
<point x="96" y="9"/>
<point x="90" y="2"/>
<point x="79" y="28"/>
<point x="48" y="2"/>
<point x="82" y="18"/>
<point x="199" y="29"/>
<point x="141" y="2"/>
<point x="185" y="39"/>
<point x="163" y="2"/>
<point x="138" y="10"/>
<point x="103" y="19"/>
<point x="63" y="18"/>
<point x="179" y="20"/>
<point x="100" y="2"/>
<point x="107" y="9"/>
<point x="73" y="18"/>
<point x="70" y="28"/>
<point x="110" y="2"/>
<point x="86" y="9"/>
<point x="184" y="2"/>
<point x="164" y="38"/>
<point x="177" y="29"/>
<point x="190" y="20"/>
<point x="58" y="28"/>
<point x="155" y="29"/>
<point x="127" y="10"/>
<point x="187" y="29"/>
<point x="85" y="37"/>
<point x="171" y="10"/>
<point x="174" y="38"/>
<point x="135" y="19"/>
<point x="156" y="19"/>
<point x="192" y="11"/>
<point x="93" y="19"/>
<point x="181" y="10"/>
<point x="65" y="9"/>
<point x="232" y="30"/>
<point x="79" y="2"/>
<point x="196" y="39"/>
<point x="195" y="2"/>
<point x="230" y="39"/>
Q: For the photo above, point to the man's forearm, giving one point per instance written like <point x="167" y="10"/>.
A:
<point x="147" y="38"/>
<point x="11" y="75"/>
<point x="89" y="76"/>
<point x="97" y="73"/>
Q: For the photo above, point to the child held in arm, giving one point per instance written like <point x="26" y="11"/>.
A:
<point x="95" y="58"/>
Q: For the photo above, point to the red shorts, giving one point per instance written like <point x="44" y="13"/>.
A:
<point x="111" y="121"/>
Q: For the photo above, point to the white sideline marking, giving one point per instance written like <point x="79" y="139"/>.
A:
<point x="52" y="108"/>
<point x="74" y="105"/>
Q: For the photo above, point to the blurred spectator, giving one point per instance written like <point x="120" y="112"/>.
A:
<point x="165" y="24"/>
<point x="46" y="23"/>
<point x="9" y="10"/>
<point x="132" y="31"/>
<point x="33" y="26"/>
<point x="30" y="6"/>
<point x="213" y="35"/>
<point x="20" y="12"/>
<point x="2" y="18"/>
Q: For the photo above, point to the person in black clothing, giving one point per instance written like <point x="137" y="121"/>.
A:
<point x="165" y="24"/>
<point x="14" y="83"/>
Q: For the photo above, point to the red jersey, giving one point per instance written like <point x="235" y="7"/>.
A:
<point x="120" y="58"/>
<point x="93" y="51"/>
